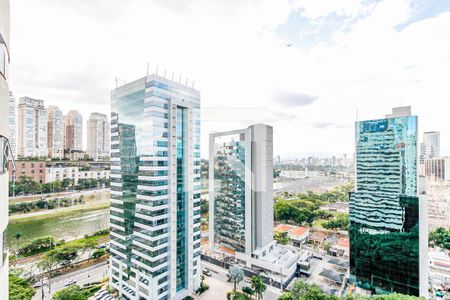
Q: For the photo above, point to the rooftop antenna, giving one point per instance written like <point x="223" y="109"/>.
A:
<point x="165" y="73"/>
<point x="173" y="74"/>
<point x="179" y="80"/>
<point x="156" y="69"/>
<point x="193" y="83"/>
<point x="187" y="79"/>
<point x="148" y="66"/>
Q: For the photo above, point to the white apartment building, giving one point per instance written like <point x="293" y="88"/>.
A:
<point x="73" y="130"/>
<point x="438" y="193"/>
<point x="55" y="132"/>
<point x="32" y="126"/>
<point x="4" y="143"/>
<point x="98" y="139"/>
<point x="431" y="145"/>
<point x="155" y="189"/>
<point x="59" y="173"/>
<point x="241" y="201"/>
<point x="12" y="123"/>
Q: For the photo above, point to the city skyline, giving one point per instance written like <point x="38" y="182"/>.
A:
<point x="299" y="86"/>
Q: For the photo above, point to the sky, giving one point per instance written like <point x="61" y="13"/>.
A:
<point x="309" y="68"/>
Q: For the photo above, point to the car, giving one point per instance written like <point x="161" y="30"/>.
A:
<point x="103" y="246"/>
<point x="38" y="284"/>
<point x="70" y="282"/>
<point x="207" y="272"/>
<point x="248" y="280"/>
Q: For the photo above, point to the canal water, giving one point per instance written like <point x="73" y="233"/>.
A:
<point x="67" y="227"/>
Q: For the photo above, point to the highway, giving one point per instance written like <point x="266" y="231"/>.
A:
<point x="90" y="274"/>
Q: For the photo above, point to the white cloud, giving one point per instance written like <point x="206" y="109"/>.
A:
<point x="314" y="9"/>
<point x="68" y="53"/>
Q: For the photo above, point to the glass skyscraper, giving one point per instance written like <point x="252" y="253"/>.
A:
<point x="241" y="192"/>
<point x="155" y="189"/>
<point x="385" y="234"/>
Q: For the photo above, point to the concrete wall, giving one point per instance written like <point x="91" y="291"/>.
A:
<point x="4" y="131"/>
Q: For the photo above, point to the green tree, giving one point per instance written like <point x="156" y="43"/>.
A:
<point x="98" y="253"/>
<point x="47" y="265"/>
<point x="20" y="289"/>
<point x="248" y="290"/>
<point x="88" y="246"/>
<point x="235" y="275"/>
<point x="326" y="246"/>
<point x="281" y="237"/>
<point x="73" y="292"/>
<point x="258" y="286"/>
<point x="440" y="237"/>
<point x="64" y="255"/>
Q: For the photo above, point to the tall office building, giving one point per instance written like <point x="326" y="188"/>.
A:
<point x="12" y="123"/>
<point x="32" y="121"/>
<point x="155" y="189"/>
<point x="241" y="190"/>
<point x="388" y="227"/>
<point x="432" y="144"/>
<point x="73" y="130"/>
<point x="241" y="202"/>
<point x="98" y="139"/>
<point x="4" y="134"/>
<point x="55" y="132"/>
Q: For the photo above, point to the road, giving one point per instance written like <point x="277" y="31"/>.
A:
<point x="90" y="274"/>
<point x="219" y="286"/>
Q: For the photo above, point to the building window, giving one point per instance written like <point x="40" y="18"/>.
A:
<point x="5" y="154"/>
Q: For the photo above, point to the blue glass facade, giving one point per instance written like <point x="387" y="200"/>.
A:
<point x="155" y="179"/>
<point x="384" y="209"/>
<point x="229" y="190"/>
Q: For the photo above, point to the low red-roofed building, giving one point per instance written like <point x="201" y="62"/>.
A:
<point x="298" y="235"/>
<point x="283" y="228"/>
<point x="341" y="248"/>
<point x="317" y="237"/>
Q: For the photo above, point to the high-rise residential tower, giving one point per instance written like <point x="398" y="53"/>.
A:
<point x="4" y="134"/>
<point x="98" y="139"/>
<point x="432" y="144"/>
<point x="73" y="130"/>
<point x="32" y="125"/>
<point x="55" y="132"/>
<point x="388" y="216"/>
<point x="12" y="123"/>
<point x="241" y="190"/>
<point x="155" y="189"/>
<point x="241" y="202"/>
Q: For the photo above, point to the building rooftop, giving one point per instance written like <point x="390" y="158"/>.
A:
<point x="299" y="231"/>
<point x="283" y="228"/>
<point x="317" y="236"/>
<point x="344" y="242"/>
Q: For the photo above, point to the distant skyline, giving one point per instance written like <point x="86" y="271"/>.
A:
<point x="347" y="58"/>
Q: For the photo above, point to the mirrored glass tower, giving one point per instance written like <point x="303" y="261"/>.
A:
<point x="386" y="232"/>
<point x="155" y="189"/>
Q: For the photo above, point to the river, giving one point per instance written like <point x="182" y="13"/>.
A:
<point x="67" y="227"/>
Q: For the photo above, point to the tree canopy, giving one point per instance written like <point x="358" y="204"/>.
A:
<point x="19" y="289"/>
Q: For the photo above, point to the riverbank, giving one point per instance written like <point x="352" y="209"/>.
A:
<point x="67" y="225"/>
<point x="40" y="215"/>
<point x="98" y="239"/>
